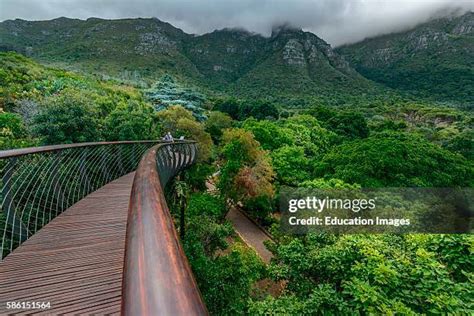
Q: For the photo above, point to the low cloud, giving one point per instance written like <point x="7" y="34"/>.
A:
<point x="336" y="21"/>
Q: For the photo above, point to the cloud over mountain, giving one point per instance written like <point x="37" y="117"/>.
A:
<point x="337" y="21"/>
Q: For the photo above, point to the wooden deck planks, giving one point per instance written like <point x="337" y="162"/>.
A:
<point x="76" y="261"/>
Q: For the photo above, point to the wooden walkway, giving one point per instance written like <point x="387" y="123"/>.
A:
<point x="76" y="261"/>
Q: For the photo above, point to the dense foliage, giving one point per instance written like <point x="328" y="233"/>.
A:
<point x="131" y="121"/>
<point x="225" y="272"/>
<point x="181" y="123"/>
<point x="216" y="124"/>
<point x="13" y="132"/>
<point x="67" y="118"/>
<point x="372" y="274"/>
<point x="413" y="146"/>
<point x="251" y="147"/>
<point x="240" y="110"/>
<point x="246" y="171"/>
<point x="398" y="160"/>
<point x="63" y="107"/>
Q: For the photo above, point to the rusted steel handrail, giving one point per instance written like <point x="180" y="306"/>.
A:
<point x="42" y="149"/>
<point x="37" y="184"/>
<point x="157" y="277"/>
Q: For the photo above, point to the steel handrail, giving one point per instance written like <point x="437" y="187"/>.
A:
<point x="39" y="183"/>
<point x="50" y="148"/>
<point x="157" y="277"/>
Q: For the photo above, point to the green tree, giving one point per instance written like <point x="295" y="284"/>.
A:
<point x="463" y="143"/>
<point x="241" y="110"/>
<point x="370" y="274"/>
<point x="12" y="124"/>
<point x="259" y="207"/>
<point x="321" y="183"/>
<point x="230" y="106"/>
<point x="167" y="92"/>
<point x="216" y="123"/>
<point x="349" y="124"/>
<point x="321" y="113"/>
<point x="395" y="159"/>
<point x="269" y="134"/>
<point x="246" y="170"/>
<point x="13" y="133"/>
<point x="180" y="122"/>
<point x="205" y="204"/>
<point x="225" y="278"/>
<point x="308" y="133"/>
<point x="67" y="118"/>
<point x="197" y="175"/>
<point x="258" y="109"/>
<point x="131" y="121"/>
<point x="291" y="165"/>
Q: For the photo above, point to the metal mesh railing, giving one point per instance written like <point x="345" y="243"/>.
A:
<point x="38" y="184"/>
<point x="172" y="158"/>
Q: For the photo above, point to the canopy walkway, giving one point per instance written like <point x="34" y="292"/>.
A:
<point x="86" y="230"/>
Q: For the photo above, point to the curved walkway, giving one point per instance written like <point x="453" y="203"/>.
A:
<point x="77" y="272"/>
<point x="250" y="233"/>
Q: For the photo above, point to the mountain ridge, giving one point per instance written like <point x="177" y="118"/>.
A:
<point x="224" y="60"/>
<point x="435" y="58"/>
<point x="289" y="63"/>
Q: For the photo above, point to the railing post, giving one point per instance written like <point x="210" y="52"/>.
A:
<point x="8" y="204"/>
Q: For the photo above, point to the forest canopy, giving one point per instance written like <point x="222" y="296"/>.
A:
<point x="249" y="149"/>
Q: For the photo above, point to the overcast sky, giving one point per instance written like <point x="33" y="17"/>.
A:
<point x="336" y="21"/>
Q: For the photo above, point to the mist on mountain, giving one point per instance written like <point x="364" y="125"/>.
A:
<point x="336" y="21"/>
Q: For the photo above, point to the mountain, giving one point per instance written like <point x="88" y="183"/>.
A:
<point x="126" y="48"/>
<point x="297" y="61"/>
<point x="435" y="59"/>
<point x="289" y="63"/>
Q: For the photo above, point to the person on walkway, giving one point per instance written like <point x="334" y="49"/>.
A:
<point x="168" y="137"/>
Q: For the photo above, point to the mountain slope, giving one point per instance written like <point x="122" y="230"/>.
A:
<point x="434" y="60"/>
<point x="119" y="47"/>
<point x="300" y="61"/>
<point x="291" y="63"/>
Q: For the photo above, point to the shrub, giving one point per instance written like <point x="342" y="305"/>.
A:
<point x="205" y="204"/>
<point x="67" y="118"/>
<point x="395" y="159"/>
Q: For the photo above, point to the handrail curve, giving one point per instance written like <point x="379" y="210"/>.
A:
<point x="10" y="153"/>
<point x="157" y="277"/>
<point x="39" y="183"/>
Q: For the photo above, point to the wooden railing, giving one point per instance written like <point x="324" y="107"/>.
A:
<point x="157" y="277"/>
